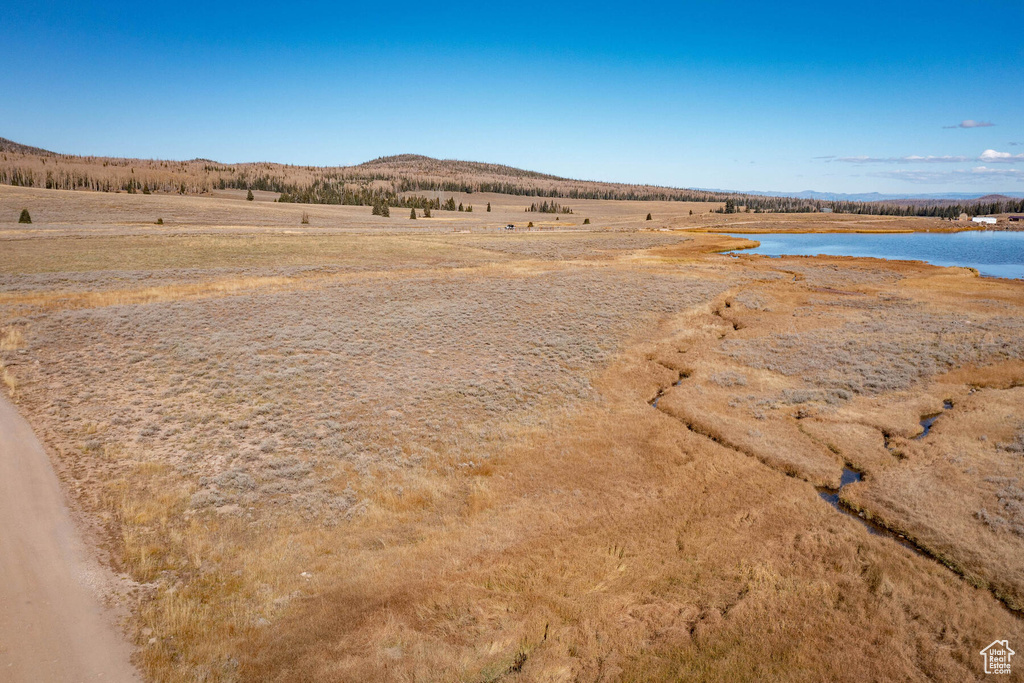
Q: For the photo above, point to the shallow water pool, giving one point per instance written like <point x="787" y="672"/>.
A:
<point x="992" y="253"/>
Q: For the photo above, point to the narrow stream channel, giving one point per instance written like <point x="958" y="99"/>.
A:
<point x="928" y="420"/>
<point x="831" y="496"/>
<point x="849" y="475"/>
<point x="661" y="392"/>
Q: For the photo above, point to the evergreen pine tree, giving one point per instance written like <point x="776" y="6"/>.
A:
<point x="586" y="221"/>
<point x="412" y="213"/>
<point x="648" y="216"/>
<point x="488" y="207"/>
<point x="249" y="196"/>
<point x="460" y="206"/>
<point x="24" y="218"/>
<point x="426" y="212"/>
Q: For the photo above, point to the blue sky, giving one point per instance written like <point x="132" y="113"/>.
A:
<point x="848" y="97"/>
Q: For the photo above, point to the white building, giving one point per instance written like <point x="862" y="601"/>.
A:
<point x="990" y="220"/>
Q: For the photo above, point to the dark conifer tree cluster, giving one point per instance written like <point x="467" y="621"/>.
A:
<point x="548" y="207"/>
<point x="934" y="208"/>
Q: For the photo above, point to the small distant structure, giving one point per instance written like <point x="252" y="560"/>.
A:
<point x="510" y="226"/>
<point x="987" y="220"/>
<point x="964" y="217"/>
<point x="826" y="209"/>
<point x="1016" y="219"/>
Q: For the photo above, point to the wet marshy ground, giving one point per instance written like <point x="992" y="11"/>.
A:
<point x="928" y="420"/>
<point x="831" y="496"/>
<point x="849" y="475"/>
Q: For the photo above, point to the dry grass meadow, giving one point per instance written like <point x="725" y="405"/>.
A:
<point x="385" y="449"/>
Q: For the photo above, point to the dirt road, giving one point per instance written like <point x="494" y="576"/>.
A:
<point x="52" y="625"/>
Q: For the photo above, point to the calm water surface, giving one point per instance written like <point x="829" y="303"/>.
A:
<point x="995" y="254"/>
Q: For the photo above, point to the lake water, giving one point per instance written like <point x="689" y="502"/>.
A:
<point x="992" y="253"/>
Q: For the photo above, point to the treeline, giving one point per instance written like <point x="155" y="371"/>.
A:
<point x="77" y="180"/>
<point x="598" y="191"/>
<point x="938" y="210"/>
<point x="361" y="195"/>
<point x="548" y="207"/>
<point x="364" y="184"/>
<point x="362" y="188"/>
<point x="264" y="182"/>
<point x="327" y="192"/>
<point x="758" y="204"/>
<point x="403" y="180"/>
<point x="182" y="183"/>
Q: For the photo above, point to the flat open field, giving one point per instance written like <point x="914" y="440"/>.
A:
<point x="386" y="449"/>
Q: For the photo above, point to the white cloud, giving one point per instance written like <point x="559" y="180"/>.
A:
<point x="912" y="159"/>
<point x="984" y="171"/>
<point x="988" y="156"/>
<point x="991" y="155"/>
<point x="954" y="176"/>
<point x="971" y="123"/>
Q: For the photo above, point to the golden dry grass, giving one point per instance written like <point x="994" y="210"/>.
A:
<point x="82" y="213"/>
<point x="12" y="338"/>
<point x="9" y="380"/>
<point x="341" y="456"/>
